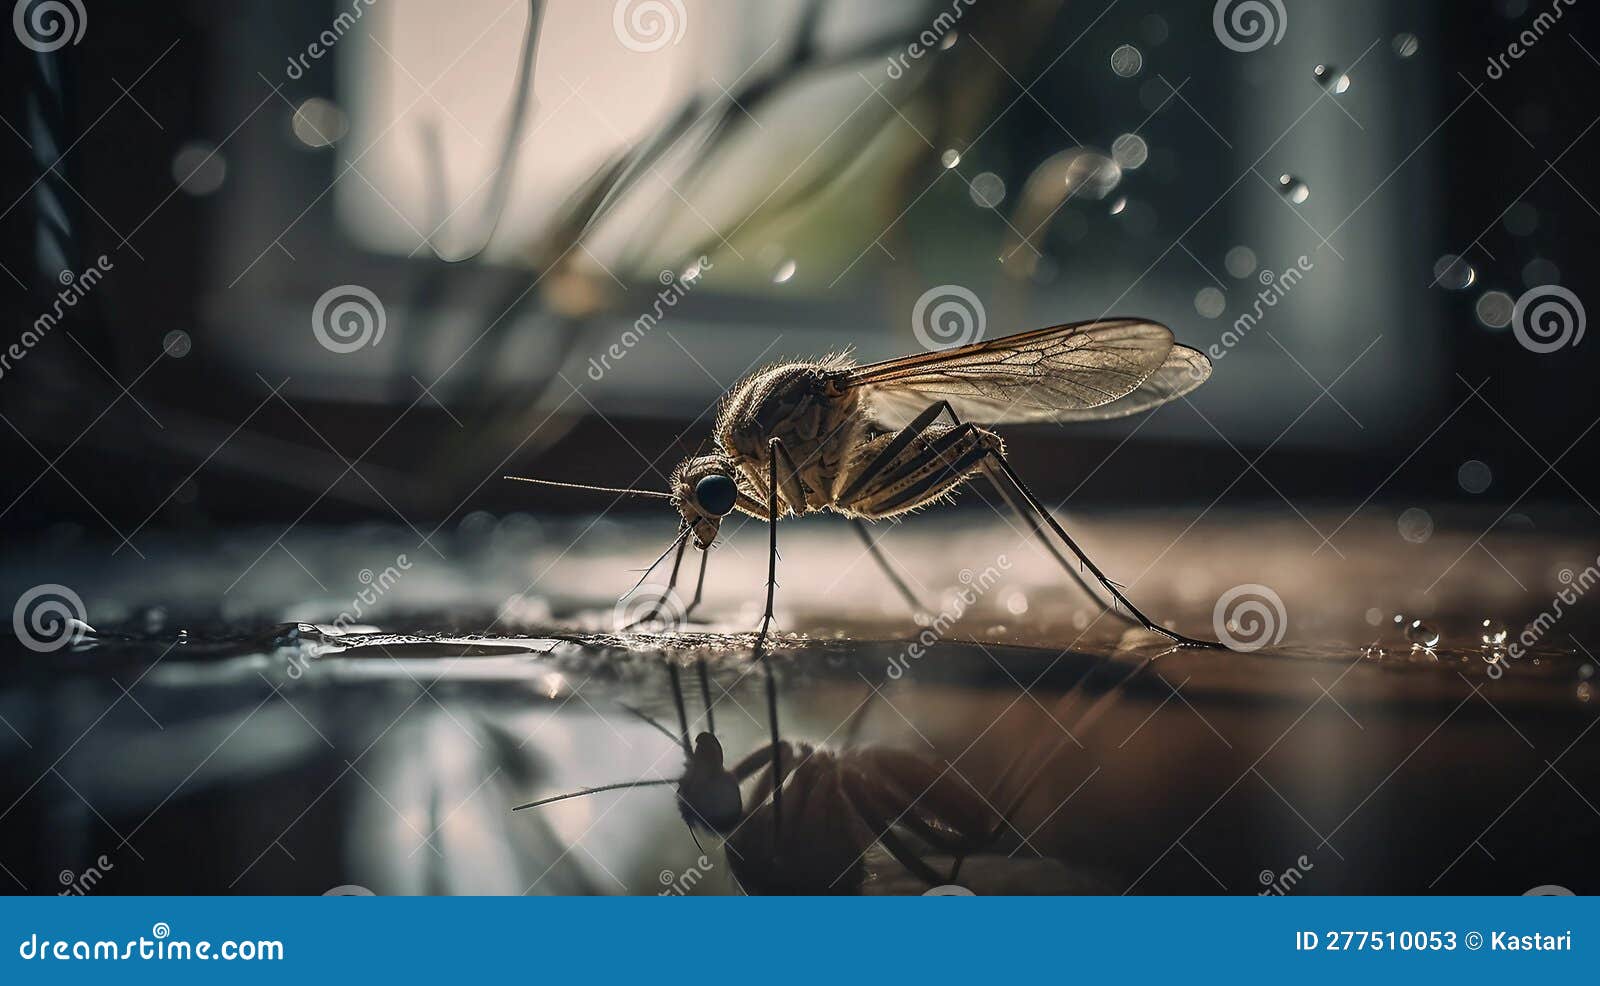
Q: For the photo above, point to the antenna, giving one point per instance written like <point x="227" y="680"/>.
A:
<point x="597" y="489"/>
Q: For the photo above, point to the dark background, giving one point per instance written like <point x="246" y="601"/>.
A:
<point x="1424" y="154"/>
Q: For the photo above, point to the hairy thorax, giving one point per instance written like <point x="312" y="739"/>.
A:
<point x="817" y="421"/>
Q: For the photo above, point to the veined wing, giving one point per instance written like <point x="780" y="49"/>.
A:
<point x="1054" y="374"/>
<point x="1184" y="370"/>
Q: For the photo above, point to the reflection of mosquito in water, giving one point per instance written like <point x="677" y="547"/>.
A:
<point x="867" y="442"/>
<point x="811" y="831"/>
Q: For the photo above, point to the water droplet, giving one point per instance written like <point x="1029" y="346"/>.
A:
<point x="1293" y="189"/>
<point x="1154" y="28"/>
<point x="950" y="158"/>
<point x="1374" y="616"/>
<point x="199" y="168"/>
<point x="1474" y="476"/>
<point x="1331" y="78"/>
<point x="1130" y="150"/>
<point x="1584" y="691"/>
<point x="1210" y="302"/>
<point x="1416" y="525"/>
<point x="1421" y="634"/>
<point x="1405" y="44"/>
<point x="176" y="344"/>
<point x="319" y="122"/>
<point x="1126" y="61"/>
<point x="1493" y="632"/>
<point x="1372" y="652"/>
<point x="1494" y="309"/>
<point x="987" y="189"/>
<point x="1451" y="271"/>
<point x="784" y="272"/>
<point x="1240" y="261"/>
<point x="1539" y="272"/>
<point x="949" y="40"/>
<point x="1521" y="219"/>
<point x="1120" y="204"/>
<point x="1017" y="603"/>
<point x="1586" y="672"/>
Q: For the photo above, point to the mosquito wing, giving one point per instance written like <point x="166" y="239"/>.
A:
<point x="1083" y="371"/>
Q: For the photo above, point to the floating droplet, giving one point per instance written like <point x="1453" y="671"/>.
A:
<point x="1154" y="28"/>
<point x="1126" y="61"/>
<point x="1017" y="603"/>
<point x="1240" y="261"/>
<point x="1405" y="44"/>
<point x="1210" y="302"/>
<point x="950" y="158"/>
<point x="1421" y="634"/>
<point x="1584" y="691"/>
<point x="319" y="122"/>
<point x="1493" y="632"/>
<point x="1331" y="78"/>
<point x="949" y="40"/>
<point x="1474" y="476"/>
<point x="176" y="344"/>
<point x="1374" y="616"/>
<point x="1130" y="150"/>
<point x="1293" y="189"/>
<point x="199" y="168"/>
<point x="987" y="189"/>
<point x="1090" y="174"/>
<point x="1494" y="309"/>
<point x="1538" y="272"/>
<point x="1451" y="271"/>
<point x="1586" y="672"/>
<point x="1120" y="204"/>
<point x="784" y="272"/>
<point x="1416" y="525"/>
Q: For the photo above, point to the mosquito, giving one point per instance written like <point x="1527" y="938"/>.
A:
<point x="877" y="441"/>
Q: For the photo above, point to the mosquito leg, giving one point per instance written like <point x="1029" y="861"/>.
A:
<point x="677" y="699"/>
<point x="1110" y="586"/>
<point x="672" y="583"/>
<point x="699" y="586"/>
<point x="705" y="695"/>
<point x="1044" y="539"/>
<point x="883" y="563"/>
<point x="774" y="448"/>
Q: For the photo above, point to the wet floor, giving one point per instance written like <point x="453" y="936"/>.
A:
<point x="353" y="708"/>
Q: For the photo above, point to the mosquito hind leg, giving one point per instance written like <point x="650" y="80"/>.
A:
<point x="1026" y="515"/>
<point x="774" y="449"/>
<point x="883" y="564"/>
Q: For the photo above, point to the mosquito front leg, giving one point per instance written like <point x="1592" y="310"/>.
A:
<point x="774" y="449"/>
<point x="672" y="583"/>
<point x="699" y="586"/>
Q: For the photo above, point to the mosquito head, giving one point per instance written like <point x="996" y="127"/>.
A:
<point x="704" y="491"/>
<point x="708" y="794"/>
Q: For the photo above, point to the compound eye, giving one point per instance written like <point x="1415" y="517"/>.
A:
<point x="716" y="495"/>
